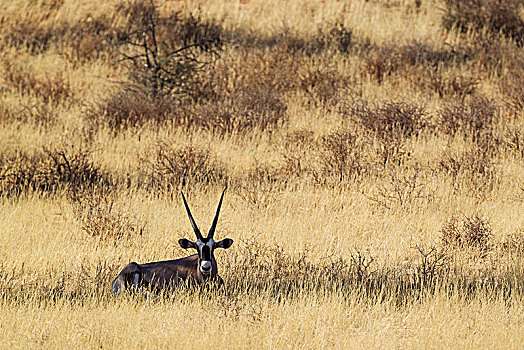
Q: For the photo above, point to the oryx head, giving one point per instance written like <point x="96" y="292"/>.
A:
<point x="205" y="246"/>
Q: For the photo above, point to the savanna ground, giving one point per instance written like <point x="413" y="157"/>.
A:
<point x="373" y="153"/>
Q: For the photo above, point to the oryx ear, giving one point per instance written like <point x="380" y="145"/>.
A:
<point x="225" y="243"/>
<point x="186" y="243"/>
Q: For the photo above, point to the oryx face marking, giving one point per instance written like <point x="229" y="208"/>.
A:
<point x="205" y="247"/>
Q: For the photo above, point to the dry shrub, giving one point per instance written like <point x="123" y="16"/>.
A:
<point x="473" y="118"/>
<point x="244" y="94"/>
<point x="512" y="86"/>
<point x="185" y="90"/>
<point x="90" y="39"/>
<point x="258" y="267"/>
<point x="495" y="16"/>
<point x="100" y="214"/>
<point x="335" y="37"/>
<point x="39" y="113"/>
<point x="445" y="84"/>
<point x="390" y="120"/>
<point x="299" y="147"/>
<point x="472" y="172"/>
<point x="303" y="139"/>
<point x="51" y="89"/>
<point x="168" y="168"/>
<point x="159" y="65"/>
<point x="49" y="170"/>
<point x="37" y="29"/>
<point x="384" y="61"/>
<point x="426" y="67"/>
<point x="514" y="139"/>
<point x="323" y="86"/>
<point x="261" y="185"/>
<point x="7" y="114"/>
<point x="132" y="109"/>
<point x="32" y="34"/>
<point x="341" y="156"/>
<point x="388" y="126"/>
<point x="254" y="267"/>
<point x="36" y="113"/>
<point x="470" y="232"/>
<point x="248" y="109"/>
<point x="402" y="188"/>
<point x="254" y="70"/>
<point x="433" y="264"/>
<point x="330" y="38"/>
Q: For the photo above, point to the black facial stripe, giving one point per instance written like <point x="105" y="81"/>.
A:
<point x="206" y="253"/>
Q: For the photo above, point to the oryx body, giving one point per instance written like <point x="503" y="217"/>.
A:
<point x="166" y="275"/>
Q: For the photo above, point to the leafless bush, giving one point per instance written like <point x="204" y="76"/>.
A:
<point x="433" y="264"/>
<point x="258" y="268"/>
<point x="272" y="269"/>
<point x="330" y="37"/>
<point x="168" y="168"/>
<point x="245" y="93"/>
<point x="39" y="113"/>
<point x="340" y="156"/>
<point x="360" y="264"/>
<point x="100" y="215"/>
<point x="472" y="119"/>
<point x="48" y="171"/>
<point x="402" y="188"/>
<point x="470" y="232"/>
<point x="166" y="58"/>
<point x="32" y="33"/>
<point x="494" y="15"/>
<point x="167" y="54"/>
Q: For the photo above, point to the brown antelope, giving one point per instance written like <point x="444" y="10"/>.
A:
<point x="166" y="275"/>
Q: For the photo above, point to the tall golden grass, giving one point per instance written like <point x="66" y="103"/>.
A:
<point x="373" y="150"/>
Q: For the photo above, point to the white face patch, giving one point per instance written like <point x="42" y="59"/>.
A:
<point x="205" y="267"/>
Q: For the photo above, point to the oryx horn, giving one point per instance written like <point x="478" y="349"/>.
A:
<point x="215" y="220"/>
<point x="193" y="223"/>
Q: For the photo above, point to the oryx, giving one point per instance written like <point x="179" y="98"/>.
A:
<point x="166" y="275"/>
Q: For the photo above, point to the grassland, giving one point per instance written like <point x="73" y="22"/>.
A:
<point x="373" y="153"/>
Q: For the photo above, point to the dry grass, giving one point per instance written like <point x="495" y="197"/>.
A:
<point x="373" y="152"/>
